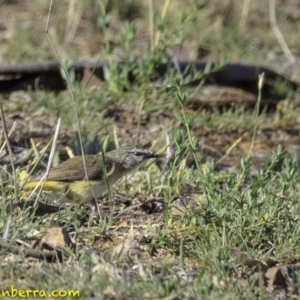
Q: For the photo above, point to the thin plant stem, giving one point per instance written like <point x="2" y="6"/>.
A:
<point x="260" y="86"/>
<point x="52" y="152"/>
<point x="72" y="98"/>
<point x="9" y="151"/>
<point x="278" y="33"/>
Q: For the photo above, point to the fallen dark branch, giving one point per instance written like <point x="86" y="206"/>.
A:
<point x="26" y="252"/>
<point x="46" y="75"/>
<point x="40" y="209"/>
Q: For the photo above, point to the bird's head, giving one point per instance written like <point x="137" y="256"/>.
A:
<point x="132" y="157"/>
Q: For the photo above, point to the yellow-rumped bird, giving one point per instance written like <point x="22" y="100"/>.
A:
<point x="69" y="176"/>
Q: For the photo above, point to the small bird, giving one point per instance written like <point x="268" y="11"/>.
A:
<point x="69" y="176"/>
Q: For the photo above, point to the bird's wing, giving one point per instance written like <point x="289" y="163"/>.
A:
<point x="67" y="172"/>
